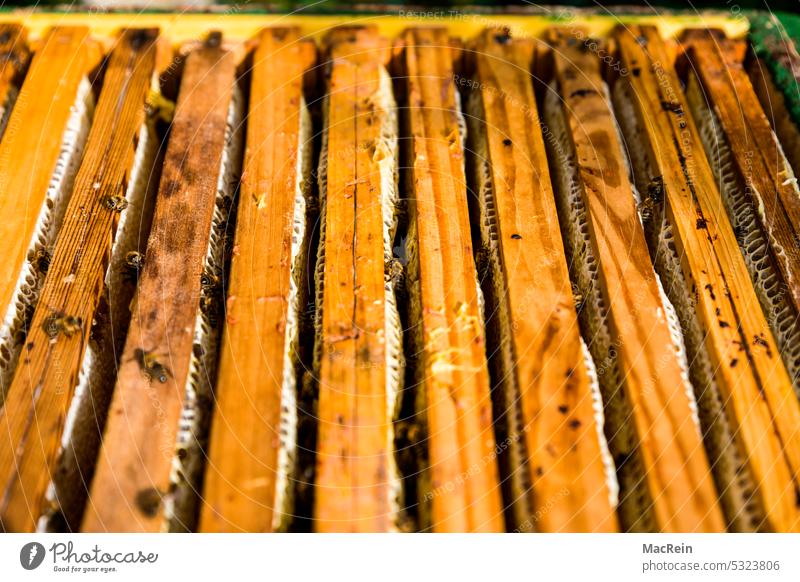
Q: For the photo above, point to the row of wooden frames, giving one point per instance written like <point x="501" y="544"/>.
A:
<point x="468" y="483"/>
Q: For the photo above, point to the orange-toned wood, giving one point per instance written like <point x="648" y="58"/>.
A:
<point x="31" y="144"/>
<point x="548" y="371"/>
<point x="33" y="417"/>
<point x="352" y="490"/>
<point x="676" y="471"/>
<point x="14" y="57"/>
<point x="462" y="476"/>
<point x="239" y="491"/>
<point x="755" y="386"/>
<point x="140" y="437"/>
<point x="717" y="63"/>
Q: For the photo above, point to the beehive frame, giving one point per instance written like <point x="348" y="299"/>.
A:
<point x="439" y="291"/>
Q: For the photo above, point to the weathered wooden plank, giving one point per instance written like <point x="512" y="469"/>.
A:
<point x="245" y="484"/>
<point x="460" y="491"/>
<point x="544" y="372"/>
<point x="14" y="58"/>
<point x="140" y="438"/>
<point x="353" y="487"/>
<point x="30" y="153"/>
<point x="733" y="334"/>
<point x="765" y="183"/>
<point x="38" y="399"/>
<point x="671" y="489"/>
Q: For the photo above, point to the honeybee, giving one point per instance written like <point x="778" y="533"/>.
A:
<point x="647" y="209"/>
<point x="655" y="189"/>
<point x="150" y="365"/>
<point x="577" y="297"/>
<point x="395" y="271"/>
<point x="59" y="323"/>
<point x="41" y="259"/>
<point x="134" y="263"/>
<point x="116" y="203"/>
<point x="209" y="281"/>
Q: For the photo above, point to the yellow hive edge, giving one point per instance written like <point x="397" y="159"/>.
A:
<point x="182" y="27"/>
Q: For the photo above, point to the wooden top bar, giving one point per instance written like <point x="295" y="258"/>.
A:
<point x="717" y="63"/>
<point x="564" y="455"/>
<point x="756" y="388"/>
<point x="29" y="150"/>
<point x="140" y="438"/>
<point x="354" y="447"/>
<point x="38" y="400"/>
<point x="241" y="477"/>
<point x="455" y="388"/>
<point x="676" y="471"/>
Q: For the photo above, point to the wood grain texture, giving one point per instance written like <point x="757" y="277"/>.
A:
<point x="14" y="58"/>
<point x="134" y="463"/>
<point x="757" y="390"/>
<point x="32" y="142"/>
<point x="352" y="489"/>
<point x="717" y="63"/>
<point x="35" y="410"/>
<point x="74" y="472"/>
<point x="240" y="486"/>
<point x="676" y="470"/>
<point x="462" y="477"/>
<point x="549" y="372"/>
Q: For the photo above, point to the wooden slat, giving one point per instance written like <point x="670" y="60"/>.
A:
<point x="89" y="408"/>
<point x="677" y="475"/>
<point x="564" y="458"/>
<point x="14" y="57"/>
<point x="239" y="492"/>
<point x="39" y="396"/>
<point x="717" y="63"/>
<point x="140" y="438"/>
<point x="352" y="490"/>
<point x="757" y="390"/>
<point x="31" y="145"/>
<point x="462" y="483"/>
